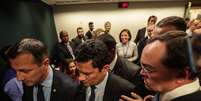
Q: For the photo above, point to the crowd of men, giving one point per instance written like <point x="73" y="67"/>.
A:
<point x="167" y="69"/>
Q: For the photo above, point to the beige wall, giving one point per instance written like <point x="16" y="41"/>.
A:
<point x="69" y="17"/>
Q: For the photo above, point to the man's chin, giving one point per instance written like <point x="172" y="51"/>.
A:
<point x="147" y="85"/>
<point x="28" y="83"/>
<point x="86" y="85"/>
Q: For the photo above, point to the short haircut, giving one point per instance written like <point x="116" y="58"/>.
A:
<point x="109" y="41"/>
<point x="61" y="33"/>
<point x="173" y="21"/>
<point x="94" y="50"/>
<point x="29" y="45"/>
<point x="125" y="30"/>
<point x="79" y="28"/>
<point x="176" y="56"/>
<point x="90" y="23"/>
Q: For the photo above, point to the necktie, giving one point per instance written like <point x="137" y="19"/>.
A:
<point x="92" y="97"/>
<point x="40" y="94"/>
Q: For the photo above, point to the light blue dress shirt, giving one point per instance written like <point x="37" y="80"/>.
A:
<point x="47" y="86"/>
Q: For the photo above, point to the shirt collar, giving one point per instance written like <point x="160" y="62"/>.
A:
<point x="103" y="83"/>
<point x="48" y="81"/>
<point x="180" y="91"/>
<point x="112" y="64"/>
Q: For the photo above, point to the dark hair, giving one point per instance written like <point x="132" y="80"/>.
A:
<point x="91" y="23"/>
<point x="94" y="50"/>
<point x="177" y="54"/>
<point x="173" y="21"/>
<point x="79" y="28"/>
<point x="29" y="45"/>
<point x="125" y="30"/>
<point x="67" y="62"/>
<point x="66" y="66"/>
<point x="110" y="42"/>
<point x="154" y="17"/>
<point x="61" y="33"/>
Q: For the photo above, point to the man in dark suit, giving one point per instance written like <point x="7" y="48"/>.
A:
<point x="143" y="32"/>
<point x="123" y="67"/>
<point x="172" y="76"/>
<point x="62" y="51"/>
<point x="92" y="63"/>
<point x="141" y="44"/>
<point x="29" y="58"/>
<point x="79" y="38"/>
<point x="171" y="23"/>
<point x="89" y="34"/>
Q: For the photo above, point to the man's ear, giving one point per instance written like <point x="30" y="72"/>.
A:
<point x="46" y="61"/>
<point x="186" y="75"/>
<point x="106" y="67"/>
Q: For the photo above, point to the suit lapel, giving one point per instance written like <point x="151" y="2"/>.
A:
<point x="108" y="89"/>
<point x="144" y="31"/>
<point x="54" y="88"/>
<point x="81" y="95"/>
<point x="117" y="67"/>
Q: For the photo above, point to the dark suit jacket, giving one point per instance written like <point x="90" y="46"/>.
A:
<point x="115" y="87"/>
<point x="131" y="72"/>
<point x="76" y="42"/>
<point x="141" y="44"/>
<point x="88" y="35"/>
<point x="125" y="69"/>
<point x="140" y="34"/>
<point x="63" y="89"/>
<point x="196" y="96"/>
<point x="60" y="54"/>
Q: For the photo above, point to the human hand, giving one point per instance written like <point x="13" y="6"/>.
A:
<point x="135" y="97"/>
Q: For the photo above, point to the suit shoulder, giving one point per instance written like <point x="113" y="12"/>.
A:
<point x="120" y="82"/>
<point x="128" y="66"/>
<point x="65" y="81"/>
<point x="189" y="97"/>
<point x="144" y="28"/>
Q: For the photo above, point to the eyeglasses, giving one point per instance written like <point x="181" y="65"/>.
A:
<point x="147" y="68"/>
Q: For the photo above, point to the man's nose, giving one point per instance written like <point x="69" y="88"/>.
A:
<point x="82" y="77"/>
<point x="20" y="76"/>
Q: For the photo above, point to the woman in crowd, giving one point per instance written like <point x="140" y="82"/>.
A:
<point x="126" y="48"/>
<point x="71" y="69"/>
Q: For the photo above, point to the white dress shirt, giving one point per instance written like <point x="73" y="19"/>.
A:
<point x="99" y="91"/>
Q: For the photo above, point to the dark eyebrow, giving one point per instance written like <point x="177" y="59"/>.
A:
<point x="83" y="72"/>
<point x="24" y="70"/>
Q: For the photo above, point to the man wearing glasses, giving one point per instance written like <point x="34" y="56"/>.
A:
<point x="166" y="69"/>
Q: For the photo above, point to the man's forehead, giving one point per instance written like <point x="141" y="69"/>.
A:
<point x="155" y="49"/>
